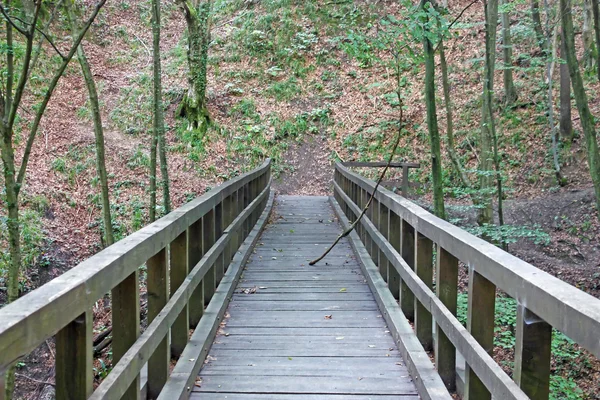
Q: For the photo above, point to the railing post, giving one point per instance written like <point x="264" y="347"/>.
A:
<point x="210" y="279"/>
<point x="196" y="303"/>
<point x="374" y="217"/>
<point x="383" y="228"/>
<point x="395" y="239"/>
<point x="220" y="262"/>
<point x="424" y="270"/>
<point x="532" y="354"/>
<point x="178" y="273"/>
<point x="446" y="289"/>
<point x="227" y="218"/>
<point x="158" y="295"/>
<point x="126" y="324"/>
<point x="407" y="298"/>
<point x="74" y="359"/>
<point x="480" y="323"/>
<point x="405" y="183"/>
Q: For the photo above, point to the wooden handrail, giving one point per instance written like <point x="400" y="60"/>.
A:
<point x="59" y="306"/>
<point x="544" y="301"/>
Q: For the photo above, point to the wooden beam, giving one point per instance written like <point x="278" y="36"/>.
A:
<point x="424" y="270"/>
<point x="178" y="273"/>
<point x="395" y="239"/>
<point x="533" y="350"/>
<point x="74" y="359"/>
<point x="446" y="289"/>
<point x="126" y="325"/>
<point x="158" y="295"/>
<point x="407" y="298"/>
<point x="195" y="253"/>
<point x="210" y="280"/>
<point x="380" y="164"/>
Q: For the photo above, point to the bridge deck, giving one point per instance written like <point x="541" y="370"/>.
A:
<point x="293" y="331"/>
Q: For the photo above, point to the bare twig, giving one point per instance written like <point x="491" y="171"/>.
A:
<point x="460" y="14"/>
<point x="351" y="228"/>
<point x="10" y="21"/>
<point x="45" y="36"/>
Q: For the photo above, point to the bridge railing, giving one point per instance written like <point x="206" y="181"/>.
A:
<point x="186" y="254"/>
<point x="410" y="246"/>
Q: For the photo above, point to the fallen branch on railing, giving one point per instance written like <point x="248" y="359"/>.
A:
<point x="351" y="228"/>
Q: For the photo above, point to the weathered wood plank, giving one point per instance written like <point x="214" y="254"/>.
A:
<point x="424" y="270"/>
<point x="447" y="291"/>
<point x="303" y="396"/>
<point x="178" y="273"/>
<point x="74" y="359"/>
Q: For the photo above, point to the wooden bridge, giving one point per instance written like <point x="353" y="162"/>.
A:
<point x="236" y="312"/>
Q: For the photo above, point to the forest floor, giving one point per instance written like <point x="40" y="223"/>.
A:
<point x="300" y="83"/>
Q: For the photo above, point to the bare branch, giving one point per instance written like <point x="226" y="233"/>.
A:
<point x="11" y="22"/>
<point x="50" y="91"/>
<point x="46" y="37"/>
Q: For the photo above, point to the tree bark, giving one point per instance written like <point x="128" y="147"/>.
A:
<point x="537" y="25"/>
<point x="596" y="14"/>
<point x="432" y="123"/>
<point x="566" y="121"/>
<point x="193" y="106"/>
<point x="488" y="132"/>
<point x="587" y="120"/>
<point x="159" y="118"/>
<point x="510" y="93"/>
<point x="589" y="50"/>
<point x="98" y="132"/>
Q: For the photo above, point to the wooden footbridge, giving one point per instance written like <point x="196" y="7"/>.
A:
<point x="235" y="311"/>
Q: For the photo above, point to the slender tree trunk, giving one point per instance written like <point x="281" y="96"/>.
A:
<point x="587" y="120"/>
<point x="432" y="123"/>
<point x="510" y="93"/>
<point x="596" y="13"/>
<point x="451" y="147"/>
<point x="589" y="50"/>
<point x="193" y="106"/>
<point x="153" y="149"/>
<point x="537" y="25"/>
<point x="488" y="132"/>
<point x="159" y="118"/>
<point x="98" y="132"/>
<point x="566" y="121"/>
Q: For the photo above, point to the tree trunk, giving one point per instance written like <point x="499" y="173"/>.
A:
<point x="510" y="93"/>
<point x="596" y="13"/>
<point x="159" y="118"/>
<point x="432" y="123"/>
<point x="589" y="50"/>
<point x="488" y="132"/>
<point x="98" y="132"/>
<point x="587" y="120"/>
<point x="537" y="25"/>
<point x="153" y="147"/>
<point x="193" y="106"/>
<point x="566" y="122"/>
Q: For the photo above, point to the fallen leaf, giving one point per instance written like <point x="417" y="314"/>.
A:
<point x="371" y="345"/>
<point x="289" y="358"/>
<point x="339" y="338"/>
<point x="343" y="289"/>
<point x="329" y="316"/>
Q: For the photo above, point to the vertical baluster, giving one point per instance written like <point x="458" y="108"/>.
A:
<point x="178" y="273"/>
<point x="247" y="222"/>
<point x="126" y="324"/>
<point x="446" y="289"/>
<point x="220" y="261"/>
<point x="384" y="229"/>
<point x="158" y="295"/>
<point x="227" y="214"/>
<point x="532" y="354"/>
<point x="210" y="279"/>
<point x="374" y="246"/>
<point x="407" y="298"/>
<point x="424" y="269"/>
<point x="405" y="183"/>
<point x="369" y="215"/>
<point x="196" y="303"/>
<point x="395" y="239"/>
<point x="480" y="323"/>
<point x="74" y="359"/>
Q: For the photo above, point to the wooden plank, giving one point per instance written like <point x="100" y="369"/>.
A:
<point x="533" y="351"/>
<point x="158" y="295"/>
<point x="126" y="370"/>
<point x="74" y="359"/>
<point x="303" y="396"/>
<point x="178" y="273"/>
<point x="424" y="270"/>
<point x="480" y="323"/>
<point x="195" y="253"/>
<point x="546" y="296"/>
<point x="185" y="371"/>
<point x="208" y="231"/>
<point x="380" y="164"/>
<point x="447" y="291"/>
<point x="25" y="321"/>
<point x="220" y="263"/>
<point x="407" y="298"/>
<point x="481" y="362"/>
<point x="428" y="382"/>
<point x="395" y="239"/>
<point x="126" y="325"/>
<point x="384" y="219"/>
